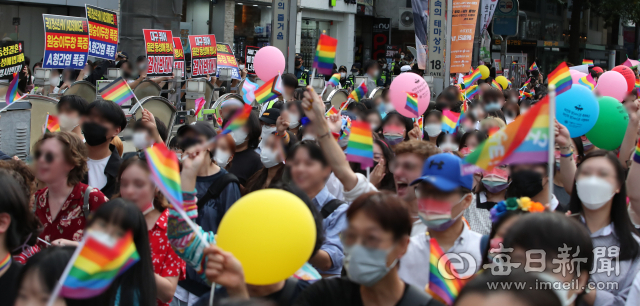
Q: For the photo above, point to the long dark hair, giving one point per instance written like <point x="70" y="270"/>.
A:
<point x="258" y="179"/>
<point x="24" y="225"/>
<point x="624" y="229"/>
<point x="159" y="201"/>
<point x="408" y="123"/>
<point x="138" y="282"/>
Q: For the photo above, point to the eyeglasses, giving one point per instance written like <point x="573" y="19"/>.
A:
<point x="48" y="157"/>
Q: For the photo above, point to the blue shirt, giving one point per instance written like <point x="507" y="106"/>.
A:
<point x="333" y="225"/>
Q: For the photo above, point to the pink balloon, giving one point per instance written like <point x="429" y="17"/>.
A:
<point x="612" y="84"/>
<point x="409" y="83"/>
<point x="576" y="75"/>
<point x="268" y="62"/>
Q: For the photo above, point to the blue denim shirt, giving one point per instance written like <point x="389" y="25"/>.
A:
<point x="333" y="225"/>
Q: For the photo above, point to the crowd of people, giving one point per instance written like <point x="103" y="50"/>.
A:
<point x="378" y="229"/>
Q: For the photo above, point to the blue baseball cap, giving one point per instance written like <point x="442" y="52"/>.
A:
<point x="444" y="171"/>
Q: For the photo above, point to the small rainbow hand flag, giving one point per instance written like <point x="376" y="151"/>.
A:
<point x="509" y="84"/>
<point x="200" y="102"/>
<point x="638" y="87"/>
<point x="278" y="86"/>
<point x="238" y="120"/>
<point x="524" y="94"/>
<point x="412" y="103"/>
<point x="526" y="83"/>
<point x="421" y="123"/>
<point x="495" y="84"/>
<point x="449" y="121"/>
<point x="472" y="77"/>
<point x="590" y="83"/>
<point x="265" y="92"/>
<point x="117" y="91"/>
<point x="464" y="107"/>
<point x="248" y="90"/>
<point x="444" y="288"/>
<point x="561" y="77"/>
<point x="587" y="62"/>
<point x="471" y="92"/>
<point x="12" y="92"/>
<point x="334" y="80"/>
<point x="99" y="260"/>
<point x="533" y="67"/>
<point x="325" y="54"/>
<point x="331" y="111"/>
<point x="360" y="146"/>
<point x="165" y="172"/>
<point x="358" y="93"/>
<point x="52" y="124"/>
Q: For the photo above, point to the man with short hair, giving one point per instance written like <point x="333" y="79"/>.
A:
<point x="105" y="120"/>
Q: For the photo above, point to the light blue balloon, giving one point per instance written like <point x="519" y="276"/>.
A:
<point x="577" y="109"/>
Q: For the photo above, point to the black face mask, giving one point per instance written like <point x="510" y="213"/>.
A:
<point x="509" y="113"/>
<point x="298" y="63"/>
<point x="94" y="134"/>
<point x="525" y="183"/>
<point x="126" y="75"/>
<point x="442" y="105"/>
<point x="188" y="142"/>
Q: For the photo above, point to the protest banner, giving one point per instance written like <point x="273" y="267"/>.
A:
<point x="66" y="42"/>
<point x="203" y="55"/>
<point x="463" y="28"/>
<point x="103" y="32"/>
<point x="249" y="55"/>
<point x="159" y="46"/>
<point x="178" y="55"/>
<point x="226" y="59"/>
<point x="11" y="58"/>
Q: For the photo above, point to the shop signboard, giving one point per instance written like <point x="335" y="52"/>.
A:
<point x="103" y="32"/>
<point x="11" y="58"/>
<point x="463" y="28"/>
<point x="66" y="42"/>
<point x="381" y="28"/>
<point x="159" y="47"/>
<point x="505" y="18"/>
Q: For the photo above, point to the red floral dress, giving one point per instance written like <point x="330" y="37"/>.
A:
<point x="69" y="223"/>
<point x="166" y="262"/>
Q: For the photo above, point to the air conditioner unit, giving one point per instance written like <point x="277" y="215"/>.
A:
<point x="405" y="21"/>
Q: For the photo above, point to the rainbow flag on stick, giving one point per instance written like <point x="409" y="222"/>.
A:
<point x="412" y="103"/>
<point x="533" y="67"/>
<point x="524" y="94"/>
<point x="638" y="87"/>
<point x="495" y="84"/>
<point x="334" y="80"/>
<point x="331" y="111"/>
<point x="325" y="54"/>
<point x="522" y="141"/>
<point x="590" y="83"/>
<point x="526" y="83"/>
<point x="587" y="62"/>
<point x="561" y="77"/>
<point x="449" y="121"/>
<point x="358" y="93"/>
<point x="470" y="78"/>
<point x="265" y="92"/>
<point x="444" y="288"/>
<point x="238" y="120"/>
<point x="12" y="92"/>
<point x="360" y="146"/>
<point x="95" y="264"/>
<point x="52" y="124"/>
<point x="471" y="92"/>
<point x="117" y="91"/>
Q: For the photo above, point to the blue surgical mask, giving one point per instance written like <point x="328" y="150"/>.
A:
<point x="366" y="266"/>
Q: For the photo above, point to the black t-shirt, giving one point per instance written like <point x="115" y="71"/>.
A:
<point x="221" y="293"/>
<point x="342" y="291"/>
<point x="245" y="164"/>
<point x="9" y="284"/>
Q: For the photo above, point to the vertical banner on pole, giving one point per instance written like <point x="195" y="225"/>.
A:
<point x="203" y="55"/>
<point x="422" y="12"/>
<point x="437" y="24"/>
<point x="159" y="47"/>
<point x="103" y="32"/>
<point x="280" y="20"/>
<point x="178" y="55"/>
<point x="66" y="42"/>
<point x="463" y="28"/>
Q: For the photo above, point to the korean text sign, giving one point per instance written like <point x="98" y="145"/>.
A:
<point x="11" y="58"/>
<point x="226" y="59"/>
<point x="103" y="32"/>
<point x="66" y="41"/>
<point x="463" y="28"/>
<point x="249" y="56"/>
<point x="159" y="46"/>
<point x="203" y="55"/>
<point x="178" y="55"/>
<point x="437" y="41"/>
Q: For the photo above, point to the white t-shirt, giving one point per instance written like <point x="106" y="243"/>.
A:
<point x="97" y="178"/>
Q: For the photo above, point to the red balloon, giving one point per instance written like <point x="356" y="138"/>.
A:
<point x="628" y="75"/>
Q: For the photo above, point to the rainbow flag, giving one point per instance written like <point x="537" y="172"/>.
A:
<point x="325" y="54"/>
<point x="526" y="83"/>
<point x="117" y="91"/>
<point x="278" y="86"/>
<point x="449" y="121"/>
<point x="165" y="172"/>
<point x="470" y="78"/>
<point x="588" y="81"/>
<point x="587" y="62"/>
<point x="421" y="123"/>
<point x="360" y="146"/>
<point x="445" y="288"/>
<point x="472" y="91"/>
<point x="533" y="67"/>
<point x="358" y="93"/>
<point x="638" y="87"/>
<point x="524" y="94"/>
<point x="412" y="103"/>
<point x="509" y="83"/>
<point x="519" y="142"/>
<point x="334" y="80"/>
<point x="99" y="260"/>
<point x="12" y="92"/>
<point x="265" y="92"/>
<point x="238" y="120"/>
<point x="331" y="111"/>
<point x="495" y="84"/>
<point x="200" y="102"/>
<point x="52" y="124"/>
<point x="561" y="78"/>
<point x="248" y="90"/>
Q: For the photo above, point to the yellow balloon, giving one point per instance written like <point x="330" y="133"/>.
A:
<point x="502" y="81"/>
<point x="271" y="232"/>
<point x="484" y="71"/>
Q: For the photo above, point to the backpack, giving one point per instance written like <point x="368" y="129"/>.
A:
<point x="330" y="207"/>
<point x="214" y="192"/>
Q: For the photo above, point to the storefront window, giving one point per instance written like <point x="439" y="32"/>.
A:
<point x="309" y="34"/>
<point x="252" y="26"/>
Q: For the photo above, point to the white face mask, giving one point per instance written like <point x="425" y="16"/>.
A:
<point x="448" y="146"/>
<point x="374" y="127"/>
<point x="389" y="107"/>
<point x="266" y="131"/>
<point x="221" y="158"/>
<point x="67" y="123"/>
<point x="241" y="67"/>
<point x="294" y="121"/>
<point x="142" y="67"/>
<point x="239" y="136"/>
<point x="523" y="110"/>
<point x="514" y="99"/>
<point x="308" y="137"/>
<point x="594" y="192"/>
<point x="433" y="129"/>
<point x="54" y="81"/>
<point x="401" y="56"/>
<point x="140" y="140"/>
<point x="268" y="158"/>
<point x="343" y="75"/>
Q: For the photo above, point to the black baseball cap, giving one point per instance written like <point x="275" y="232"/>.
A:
<point x="270" y="116"/>
<point x="343" y="67"/>
<point x="199" y="127"/>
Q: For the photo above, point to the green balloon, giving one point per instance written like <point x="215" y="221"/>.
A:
<point x="611" y="125"/>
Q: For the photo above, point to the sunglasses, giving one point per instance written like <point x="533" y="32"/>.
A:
<point x="48" y="157"/>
